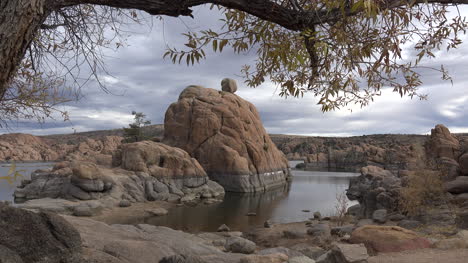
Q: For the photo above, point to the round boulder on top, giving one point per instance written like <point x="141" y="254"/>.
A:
<point x="225" y="134"/>
<point x="229" y="85"/>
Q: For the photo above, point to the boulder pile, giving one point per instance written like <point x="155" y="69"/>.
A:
<point x="144" y="171"/>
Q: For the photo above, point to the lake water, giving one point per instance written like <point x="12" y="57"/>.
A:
<point x="8" y="182"/>
<point x="313" y="191"/>
<point x="308" y="190"/>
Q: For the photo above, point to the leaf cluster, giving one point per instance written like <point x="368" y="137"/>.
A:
<point x="345" y="60"/>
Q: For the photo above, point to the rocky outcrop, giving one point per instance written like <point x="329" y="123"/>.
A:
<point x="42" y="238"/>
<point x="388" y="239"/>
<point x="146" y="171"/>
<point x="225" y="134"/>
<point x="147" y="244"/>
<point x="442" y="144"/>
<point x="375" y="189"/>
<point x="389" y="151"/>
<point x="25" y="147"/>
<point x="463" y="161"/>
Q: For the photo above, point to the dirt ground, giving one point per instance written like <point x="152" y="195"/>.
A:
<point x="423" y="256"/>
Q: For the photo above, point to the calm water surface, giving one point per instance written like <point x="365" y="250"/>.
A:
<point x="309" y="190"/>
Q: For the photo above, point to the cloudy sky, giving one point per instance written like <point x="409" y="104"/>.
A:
<point x="142" y="81"/>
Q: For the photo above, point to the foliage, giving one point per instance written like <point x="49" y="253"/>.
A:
<point x="135" y="131"/>
<point x="347" y="58"/>
<point x="423" y="188"/>
<point x="341" y="51"/>
<point x="66" y="53"/>
<point x="12" y="174"/>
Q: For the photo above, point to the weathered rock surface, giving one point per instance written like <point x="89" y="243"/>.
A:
<point x="345" y="253"/>
<point x="457" y="186"/>
<point x="144" y="244"/>
<point x="148" y="171"/>
<point x="443" y="144"/>
<point x="390" y="151"/>
<point x="240" y="245"/>
<point x="388" y="238"/>
<point x="463" y="161"/>
<point x="375" y="189"/>
<point x="225" y="134"/>
<point x="41" y="238"/>
<point x="308" y="250"/>
<point x="26" y="147"/>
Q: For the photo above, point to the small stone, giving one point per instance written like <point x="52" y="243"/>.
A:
<point x="317" y="215"/>
<point x="306" y="211"/>
<point x="157" y="211"/>
<point x="354" y="210"/>
<point x="267" y="224"/>
<point x="380" y="216"/>
<point x="224" y="228"/>
<point x="229" y="85"/>
<point x="319" y="230"/>
<point x="308" y="250"/>
<point x="82" y="211"/>
<point x="125" y="203"/>
<point x="240" y="245"/>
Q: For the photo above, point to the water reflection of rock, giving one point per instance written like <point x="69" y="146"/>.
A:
<point x="232" y="212"/>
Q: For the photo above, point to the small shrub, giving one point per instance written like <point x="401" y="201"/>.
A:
<point x="341" y="207"/>
<point x="423" y="188"/>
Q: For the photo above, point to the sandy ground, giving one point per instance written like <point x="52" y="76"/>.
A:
<point x="423" y="256"/>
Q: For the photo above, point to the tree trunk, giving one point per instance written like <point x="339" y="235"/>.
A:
<point x="19" y="22"/>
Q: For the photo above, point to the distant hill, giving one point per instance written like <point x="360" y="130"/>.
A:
<point x="156" y="130"/>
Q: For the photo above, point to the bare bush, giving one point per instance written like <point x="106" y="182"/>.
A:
<point x="421" y="190"/>
<point x="341" y="206"/>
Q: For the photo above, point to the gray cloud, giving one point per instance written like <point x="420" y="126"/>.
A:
<point x="142" y="81"/>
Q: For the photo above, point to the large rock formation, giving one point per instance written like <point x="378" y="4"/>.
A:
<point x="388" y="239"/>
<point x="443" y="144"/>
<point x="145" y="171"/>
<point x="389" y="151"/>
<point x="375" y="189"/>
<point x="225" y="134"/>
<point x="25" y="147"/>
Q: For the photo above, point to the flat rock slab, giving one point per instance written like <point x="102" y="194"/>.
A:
<point x="142" y="243"/>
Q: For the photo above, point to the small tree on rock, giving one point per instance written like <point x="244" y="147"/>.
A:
<point x="135" y="131"/>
